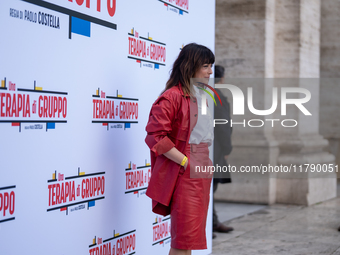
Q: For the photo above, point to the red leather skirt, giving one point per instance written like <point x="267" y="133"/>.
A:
<point x="190" y="201"/>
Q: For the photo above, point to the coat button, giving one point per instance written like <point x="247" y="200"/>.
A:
<point x="194" y="101"/>
<point x="195" y="115"/>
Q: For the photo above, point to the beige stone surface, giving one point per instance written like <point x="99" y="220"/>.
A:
<point x="329" y="71"/>
<point x="245" y="46"/>
<point x="244" y="32"/>
<point x="280" y="39"/>
<point x="284" y="229"/>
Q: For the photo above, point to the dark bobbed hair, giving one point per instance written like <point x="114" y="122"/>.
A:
<point x="192" y="57"/>
<point x="219" y="73"/>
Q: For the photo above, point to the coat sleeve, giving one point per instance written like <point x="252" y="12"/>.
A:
<point x="161" y="117"/>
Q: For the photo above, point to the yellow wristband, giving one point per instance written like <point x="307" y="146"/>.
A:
<point x="184" y="161"/>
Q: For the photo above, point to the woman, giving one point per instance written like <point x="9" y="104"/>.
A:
<point x="178" y="136"/>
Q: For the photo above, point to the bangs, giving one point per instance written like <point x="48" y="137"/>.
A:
<point x="207" y="57"/>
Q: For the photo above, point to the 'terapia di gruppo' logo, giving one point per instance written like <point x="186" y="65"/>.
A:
<point x="146" y="51"/>
<point x="137" y="178"/>
<point x="161" y="229"/>
<point x="116" y="110"/>
<point x="20" y="106"/>
<point x="75" y="191"/>
<point x="7" y="203"/>
<point x="118" y="244"/>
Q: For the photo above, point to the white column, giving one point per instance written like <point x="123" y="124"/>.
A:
<point x="297" y="55"/>
<point x="330" y="76"/>
<point x="245" y="47"/>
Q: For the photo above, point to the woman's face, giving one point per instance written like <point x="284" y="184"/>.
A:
<point x="204" y="72"/>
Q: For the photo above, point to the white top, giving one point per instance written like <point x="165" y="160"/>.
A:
<point x="203" y="131"/>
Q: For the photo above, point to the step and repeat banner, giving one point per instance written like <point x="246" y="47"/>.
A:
<point x="78" y="78"/>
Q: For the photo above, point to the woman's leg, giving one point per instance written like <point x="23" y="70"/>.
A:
<point x="174" y="251"/>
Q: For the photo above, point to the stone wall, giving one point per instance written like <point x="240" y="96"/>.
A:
<point x="274" y="39"/>
<point x="330" y="74"/>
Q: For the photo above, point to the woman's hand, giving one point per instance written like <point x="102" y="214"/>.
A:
<point x="176" y="156"/>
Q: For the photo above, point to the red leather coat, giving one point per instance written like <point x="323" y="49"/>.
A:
<point x="170" y="124"/>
